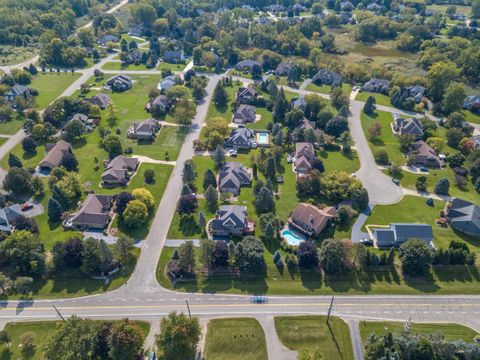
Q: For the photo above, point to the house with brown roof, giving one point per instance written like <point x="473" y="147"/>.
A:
<point x="310" y="219"/>
<point x="55" y="153"/>
<point x="102" y="100"/>
<point x="119" y="171"/>
<point x="304" y="157"/>
<point x="95" y="213"/>
<point x="424" y="155"/>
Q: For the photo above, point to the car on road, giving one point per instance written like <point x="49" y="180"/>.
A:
<point x="26" y="206"/>
<point x="396" y="182"/>
<point x="232" y="153"/>
<point x="366" y="241"/>
<point x="258" y="299"/>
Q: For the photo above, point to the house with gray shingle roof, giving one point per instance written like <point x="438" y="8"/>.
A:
<point x="376" y="85"/>
<point x="233" y="176"/>
<point x="145" y="130"/>
<point x="247" y="65"/>
<point x="120" y="83"/>
<point x="17" y="90"/>
<point x="327" y="77"/>
<point x="230" y="220"/>
<point x="283" y="68"/>
<point x="411" y="126"/>
<point x="108" y="38"/>
<point x="246" y="95"/>
<point x="244" y="114"/>
<point x="168" y="83"/>
<point x="118" y="171"/>
<point x="464" y="216"/>
<point x="398" y="233"/>
<point x="102" y="100"/>
<point x="472" y="103"/>
<point x="8" y="215"/>
<point x="241" y="138"/>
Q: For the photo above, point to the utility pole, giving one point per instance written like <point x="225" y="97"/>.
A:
<point x="188" y="308"/>
<point x="58" y="312"/>
<point x="330" y="308"/>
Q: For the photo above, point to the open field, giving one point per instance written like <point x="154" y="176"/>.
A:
<point x="42" y="331"/>
<point x="114" y="65"/>
<point x="51" y="85"/>
<point x="450" y="332"/>
<point x="235" y="339"/>
<point x="172" y="67"/>
<point x="308" y="333"/>
<point x="11" y="127"/>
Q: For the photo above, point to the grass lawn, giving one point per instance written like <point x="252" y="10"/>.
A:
<point x="451" y="332"/>
<point x="338" y="161"/>
<point x="42" y="331"/>
<point x="227" y="111"/>
<point x="11" y="127"/>
<point x="471" y="117"/>
<point x="325" y="89"/>
<point x="266" y="117"/>
<point x="173" y="67"/>
<point x="380" y="99"/>
<point x="120" y="66"/>
<point x="387" y="140"/>
<point x="235" y="339"/>
<point x="51" y="85"/>
<point x="312" y="332"/>
<point x="170" y="138"/>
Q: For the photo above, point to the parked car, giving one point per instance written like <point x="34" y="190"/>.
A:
<point x="423" y="169"/>
<point x="396" y="182"/>
<point x="26" y="206"/>
<point x="366" y="241"/>
<point x="232" y="153"/>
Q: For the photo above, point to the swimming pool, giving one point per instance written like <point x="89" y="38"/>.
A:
<point x="262" y="138"/>
<point x="292" y="238"/>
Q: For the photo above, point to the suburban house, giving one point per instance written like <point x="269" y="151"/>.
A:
<point x="8" y="215"/>
<point x="374" y="7"/>
<point x="120" y="83"/>
<point x="146" y="130"/>
<point x="283" y="69"/>
<point x="299" y="131"/>
<point x="464" y="216"/>
<point x="425" y="155"/>
<point x="102" y="100"/>
<point x="247" y="65"/>
<point x="244" y="114"/>
<point x="299" y="102"/>
<point x="346" y="6"/>
<point x="377" y="86"/>
<point x="411" y="126"/>
<point x="304" y="157"/>
<point x="132" y="56"/>
<point x="246" y="95"/>
<point x="118" y="171"/>
<point x="17" y="90"/>
<point x="233" y="176"/>
<point x="396" y="234"/>
<point x="55" y="153"/>
<point x="108" y="38"/>
<point x="472" y="103"/>
<point x="95" y="213"/>
<point x="327" y="77"/>
<point x="174" y="57"/>
<point x="135" y="30"/>
<point x="231" y="220"/>
<point x="241" y="138"/>
<point x="86" y="120"/>
<point x="160" y="101"/>
<point x="167" y="83"/>
<point x="417" y="92"/>
<point x="310" y="219"/>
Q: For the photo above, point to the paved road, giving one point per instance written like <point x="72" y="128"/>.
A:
<point x="109" y="11"/>
<point x="356" y="339"/>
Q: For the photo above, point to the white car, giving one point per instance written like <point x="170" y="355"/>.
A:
<point x="232" y="152"/>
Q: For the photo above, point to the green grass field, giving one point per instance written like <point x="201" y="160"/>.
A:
<point x="380" y="99"/>
<point x="172" y="67"/>
<point x="235" y="339"/>
<point x="42" y="331"/>
<point x="387" y="139"/>
<point x="308" y="333"/>
<point x="120" y="66"/>
<point x="51" y="85"/>
<point x="325" y="89"/>
<point x="11" y="127"/>
<point x="451" y="332"/>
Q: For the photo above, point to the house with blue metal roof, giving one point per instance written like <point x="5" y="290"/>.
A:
<point x="398" y="233"/>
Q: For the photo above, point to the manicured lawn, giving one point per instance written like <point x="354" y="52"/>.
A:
<point x="387" y="140"/>
<point x="380" y="99"/>
<point x="173" y="67"/>
<point x="42" y="331"/>
<point x="471" y="117"/>
<point x="120" y="66"/>
<point x="11" y="127"/>
<point x="169" y="139"/>
<point x="265" y="119"/>
<point x="227" y="111"/>
<point x="325" y="89"/>
<point x="3" y="141"/>
<point x="451" y="332"/>
<point x="50" y="86"/>
<point x="413" y="209"/>
<point x="28" y="160"/>
<point x="338" y="161"/>
<point x="312" y="332"/>
<point x="235" y="339"/>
